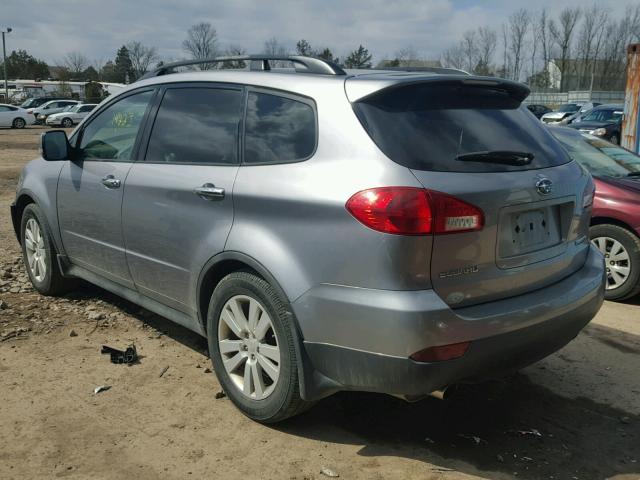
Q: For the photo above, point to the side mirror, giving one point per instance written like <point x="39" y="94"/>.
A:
<point x="55" y="145"/>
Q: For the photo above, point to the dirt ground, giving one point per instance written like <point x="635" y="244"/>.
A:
<point x="575" y="415"/>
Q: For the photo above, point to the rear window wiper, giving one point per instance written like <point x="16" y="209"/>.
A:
<point x="504" y="157"/>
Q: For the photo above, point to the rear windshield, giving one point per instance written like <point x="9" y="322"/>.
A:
<point x="428" y="126"/>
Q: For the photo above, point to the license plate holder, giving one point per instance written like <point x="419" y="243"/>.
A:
<point x="530" y="229"/>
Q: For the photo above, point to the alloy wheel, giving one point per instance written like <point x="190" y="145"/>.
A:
<point x="617" y="260"/>
<point x="249" y="347"/>
<point x="36" y="252"/>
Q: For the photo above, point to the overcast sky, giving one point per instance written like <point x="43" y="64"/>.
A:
<point x="48" y="29"/>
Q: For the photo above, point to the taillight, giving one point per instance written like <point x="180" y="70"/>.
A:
<point x="413" y="211"/>
<point x="588" y="194"/>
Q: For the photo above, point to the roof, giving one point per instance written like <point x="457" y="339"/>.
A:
<point x="314" y="75"/>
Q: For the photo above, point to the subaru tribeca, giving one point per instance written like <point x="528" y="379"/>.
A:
<point x="324" y="229"/>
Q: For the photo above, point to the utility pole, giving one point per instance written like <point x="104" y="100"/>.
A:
<point x="4" y="65"/>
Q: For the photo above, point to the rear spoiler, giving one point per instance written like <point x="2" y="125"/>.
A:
<point x="360" y="89"/>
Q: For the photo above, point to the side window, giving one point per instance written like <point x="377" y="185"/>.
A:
<point x="196" y="125"/>
<point x="86" y="108"/>
<point x="112" y="133"/>
<point x="278" y="129"/>
<point x="4" y="109"/>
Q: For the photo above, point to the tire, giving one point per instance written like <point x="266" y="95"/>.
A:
<point x="621" y="249"/>
<point x="265" y="400"/>
<point x="614" y="139"/>
<point x="67" y="123"/>
<point x="18" y="123"/>
<point x="44" y="272"/>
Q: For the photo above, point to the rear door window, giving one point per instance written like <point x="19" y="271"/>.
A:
<point x="278" y="129"/>
<point x="432" y="126"/>
<point x="197" y="125"/>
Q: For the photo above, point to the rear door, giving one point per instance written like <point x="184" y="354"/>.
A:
<point x="178" y="208"/>
<point x="474" y="141"/>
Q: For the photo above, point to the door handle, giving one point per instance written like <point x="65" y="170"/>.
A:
<point x="209" y="191"/>
<point x="111" y="182"/>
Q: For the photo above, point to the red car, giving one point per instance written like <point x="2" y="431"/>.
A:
<point x="615" y="225"/>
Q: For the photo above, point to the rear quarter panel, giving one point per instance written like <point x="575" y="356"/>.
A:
<point x="292" y="217"/>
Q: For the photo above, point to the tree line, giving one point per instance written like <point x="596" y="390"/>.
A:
<point x="588" y="45"/>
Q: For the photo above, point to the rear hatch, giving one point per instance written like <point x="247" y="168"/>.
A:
<point x="471" y="138"/>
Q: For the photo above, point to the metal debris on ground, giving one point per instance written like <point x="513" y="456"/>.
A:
<point x="329" y="473"/>
<point x="220" y="395"/>
<point x="101" y="388"/>
<point x="476" y="440"/>
<point x="532" y="432"/>
<point x="164" y="370"/>
<point x="128" y="356"/>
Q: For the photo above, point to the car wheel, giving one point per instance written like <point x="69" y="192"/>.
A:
<point x="19" y="123"/>
<point x="39" y="254"/>
<point x="614" y="139"/>
<point x="621" y="250"/>
<point x="252" y="344"/>
<point x="67" y="123"/>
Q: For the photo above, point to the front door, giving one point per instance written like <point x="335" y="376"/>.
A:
<point x="91" y="185"/>
<point x="177" y="209"/>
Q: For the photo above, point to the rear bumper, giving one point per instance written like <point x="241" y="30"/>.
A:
<point x="360" y="339"/>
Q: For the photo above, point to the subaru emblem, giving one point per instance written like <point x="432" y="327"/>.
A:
<point x="544" y="186"/>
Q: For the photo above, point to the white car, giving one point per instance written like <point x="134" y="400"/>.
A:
<point x="54" y="106"/>
<point x="14" y="117"/>
<point x="71" y="115"/>
<point x="567" y="113"/>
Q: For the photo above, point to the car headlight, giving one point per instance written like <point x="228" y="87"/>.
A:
<point x="599" y="132"/>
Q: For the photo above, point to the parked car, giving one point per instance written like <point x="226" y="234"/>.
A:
<point x="538" y="110"/>
<point x="71" y="115"/>
<point x="577" y="116"/>
<point x="55" y="106"/>
<point x="604" y="121"/>
<point x="35" y="102"/>
<point x="393" y="232"/>
<point x="615" y="226"/>
<point x="561" y="113"/>
<point x="14" y="117"/>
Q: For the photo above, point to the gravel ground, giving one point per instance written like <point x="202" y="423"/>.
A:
<point x="575" y="415"/>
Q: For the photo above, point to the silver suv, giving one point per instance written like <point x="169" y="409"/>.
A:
<point x="324" y="229"/>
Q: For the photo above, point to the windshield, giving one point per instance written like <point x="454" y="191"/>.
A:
<point x="27" y="103"/>
<point x="601" y="158"/>
<point x="70" y="108"/>
<point x="442" y="127"/>
<point x="569" y="107"/>
<point x="603" y="115"/>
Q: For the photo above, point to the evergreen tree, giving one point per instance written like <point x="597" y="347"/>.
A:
<point x="359" y="58"/>
<point x="304" y="48"/>
<point x="123" y="66"/>
<point x="22" y="65"/>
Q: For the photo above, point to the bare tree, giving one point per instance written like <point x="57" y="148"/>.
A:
<point x="486" y="47"/>
<point x="563" y="36"/>
<point x="506" y="61"/>
<point x="469" y="50"/>
<point x="201" y="42"/>
<point x="542" y="35"/>
<point x="141" y="57"/>
<point x="518" y="27"/>
<point x="618" y="34"/>
<point x="76" y="62"/>
<point x="453" y="57"/>
<point x="407" y="56"/>
<point x="234" y="51"/>
<point x="274" y="47"/>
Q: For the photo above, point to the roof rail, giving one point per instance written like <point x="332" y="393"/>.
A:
<point x="443" y="70"/>
<point x="258" y="62"/>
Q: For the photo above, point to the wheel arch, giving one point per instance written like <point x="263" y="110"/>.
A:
<point x="22" y="201"/>
<point x="613" y="221"/>
<point x="231" y="261"/>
